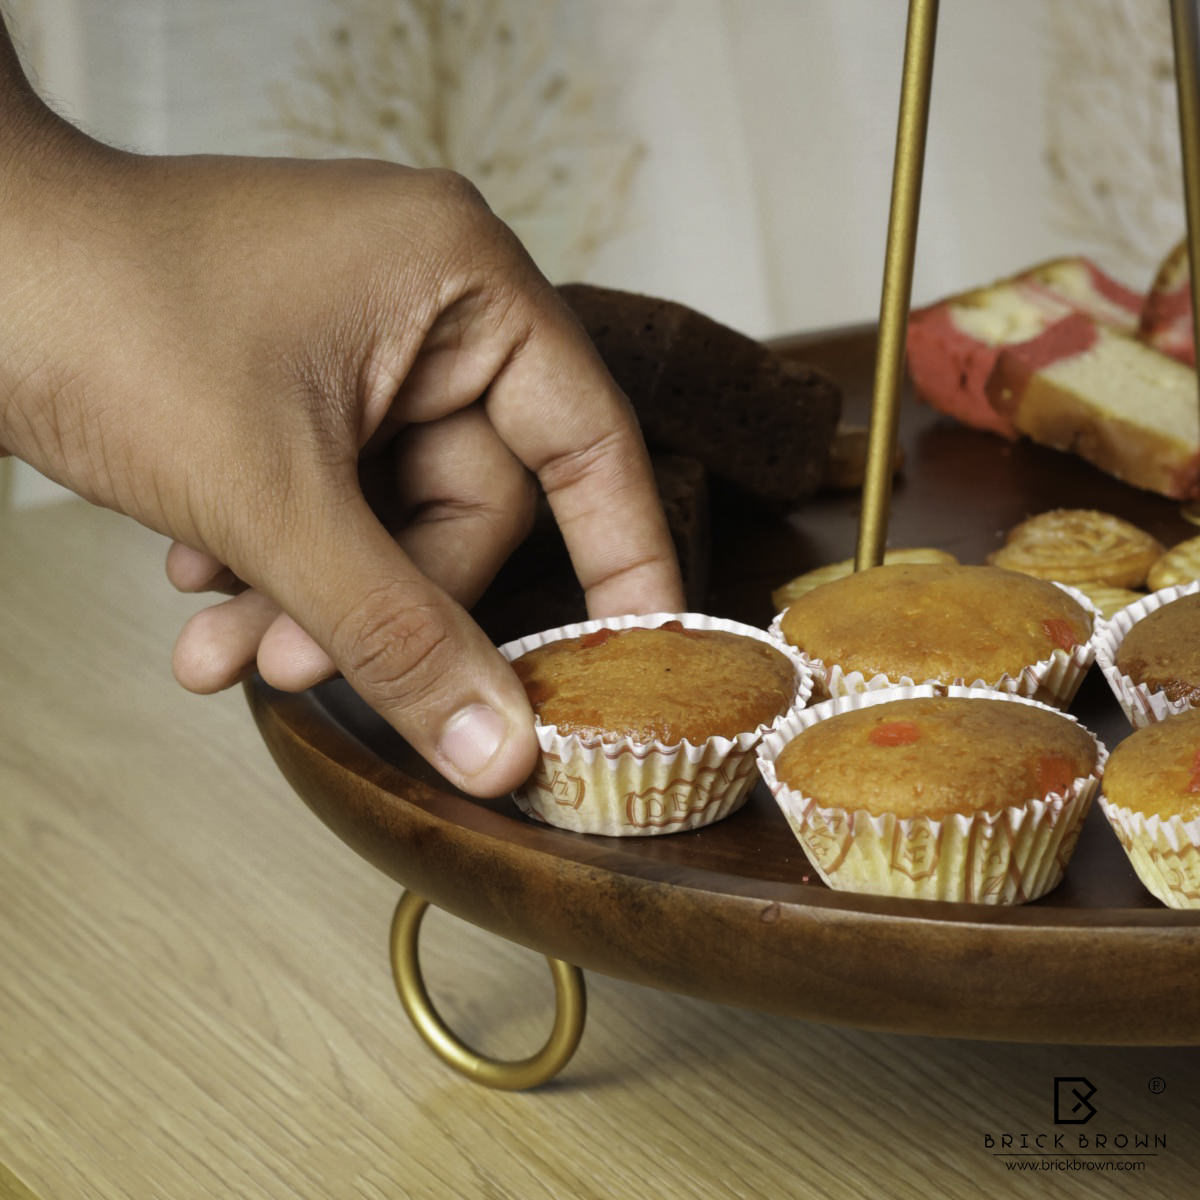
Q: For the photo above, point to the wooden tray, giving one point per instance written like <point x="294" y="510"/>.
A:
<point x="734" y="913"/>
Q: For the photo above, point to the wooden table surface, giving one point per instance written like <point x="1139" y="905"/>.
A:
<point x="195" y="997"/>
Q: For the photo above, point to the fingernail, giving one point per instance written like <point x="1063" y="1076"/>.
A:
<point x="471" y="738"/>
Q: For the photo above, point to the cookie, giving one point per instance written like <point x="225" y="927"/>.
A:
<point x="1180" y="564"/>
<point x="846" y="467"/>
<point x="1071" y="545"/>
<point x="1108" y="599"/>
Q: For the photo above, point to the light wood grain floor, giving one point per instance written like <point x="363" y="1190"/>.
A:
<point x="195" y="998"/>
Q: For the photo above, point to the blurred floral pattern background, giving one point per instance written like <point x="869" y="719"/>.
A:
<point x="500" y="90"/>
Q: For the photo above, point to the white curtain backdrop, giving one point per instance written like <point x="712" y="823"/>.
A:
<point x="731" y="154"/>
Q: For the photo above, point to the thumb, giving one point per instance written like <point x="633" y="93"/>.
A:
<point x="409" y="650"/>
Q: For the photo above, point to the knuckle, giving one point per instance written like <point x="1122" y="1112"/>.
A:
<point x="474" y="234"/>
<point x="605" y="458"/>
<point x="454" y="189"/>
<point x="395" y="644"/>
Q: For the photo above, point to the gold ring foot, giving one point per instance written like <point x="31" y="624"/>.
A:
<point x="570" y="1010"/>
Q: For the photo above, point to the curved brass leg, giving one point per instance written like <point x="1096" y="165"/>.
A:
<point x="569" y="1012"/>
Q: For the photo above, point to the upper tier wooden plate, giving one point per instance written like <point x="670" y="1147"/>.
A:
<point x="734" y="913"/>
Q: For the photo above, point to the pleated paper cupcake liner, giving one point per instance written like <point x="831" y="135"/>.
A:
<point x="1164" y="852"/>
<point x="1141" y="706"/>
<point x="1053" y="681"/>
<point x="629" y="788"/>
<point x="1007" y="857"/>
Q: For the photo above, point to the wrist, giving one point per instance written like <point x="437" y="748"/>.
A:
<point x="53" y="181"/>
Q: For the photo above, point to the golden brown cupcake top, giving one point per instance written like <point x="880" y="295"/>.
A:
<point x="1162" y="651"/>
<point x="933" y="756"/>
<point x="1156" y="770"/>
<point x="668" y="684"/>
<point x="936" y="621"/>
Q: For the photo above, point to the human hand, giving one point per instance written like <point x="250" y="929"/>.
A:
<point x="214" y="346"/>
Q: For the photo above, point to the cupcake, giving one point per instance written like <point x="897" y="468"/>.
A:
<point x="971" y="795"/>
<point x="943" y="623"/>
<point x="1149" y="653"/>
<point x="1151" y="798"/>
<point x="648" y="724"/>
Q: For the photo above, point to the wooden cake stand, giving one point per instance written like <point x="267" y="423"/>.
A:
<point x="734" y="913"/>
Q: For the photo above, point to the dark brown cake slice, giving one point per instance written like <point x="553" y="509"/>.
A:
<point x="702" y="390"/>
<point x="683" y="490"/>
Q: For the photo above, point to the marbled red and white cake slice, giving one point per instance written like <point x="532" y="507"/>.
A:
<point x="1111" y="399"/>
<point x="1166" y="322"/>
<point x="1088" y="290"/>
<point x="953" y="345"/>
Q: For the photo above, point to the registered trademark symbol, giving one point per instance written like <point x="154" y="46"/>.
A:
<point x="1157" y="1084"/>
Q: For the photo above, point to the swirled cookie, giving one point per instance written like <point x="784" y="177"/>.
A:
<point x="1180" y="564"/>
<point x="1079" y="545"/>
<point x="1108" y="599"/>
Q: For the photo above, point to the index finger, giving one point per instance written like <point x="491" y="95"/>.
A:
<point x="558" y="409"/>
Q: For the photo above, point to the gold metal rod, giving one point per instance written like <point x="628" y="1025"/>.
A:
<point x="897" y="279"/>
<point x="1185" y="28"/>
<point x="570" y="1012"/>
